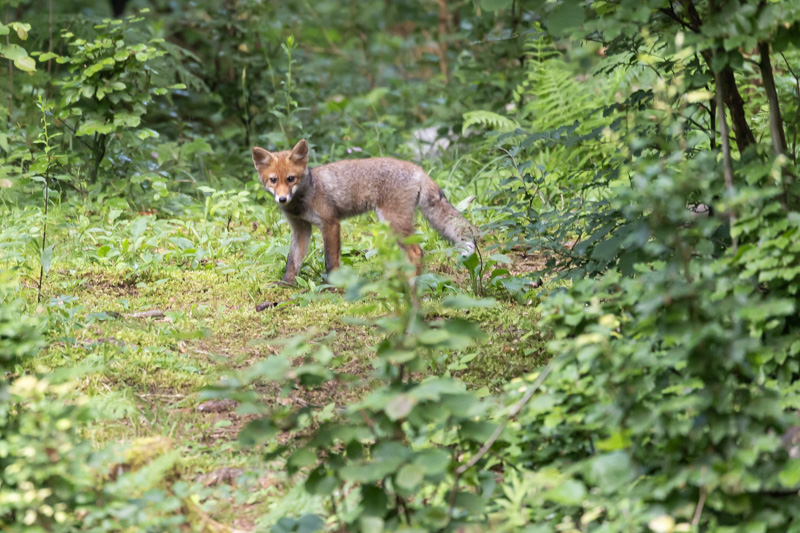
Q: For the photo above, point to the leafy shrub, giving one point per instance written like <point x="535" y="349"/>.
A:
<point x="51" y="479"/>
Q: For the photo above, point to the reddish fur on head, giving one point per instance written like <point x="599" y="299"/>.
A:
<point x="282" y="173"/>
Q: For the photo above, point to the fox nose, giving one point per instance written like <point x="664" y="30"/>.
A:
<point x="283" y="199"/>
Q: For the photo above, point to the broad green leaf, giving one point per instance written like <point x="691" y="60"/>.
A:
<point x="494" y="5"/>
<point x="790" y="475"/>
<point x="463" y="301"/>
<point x="570" y="492"/>
<point x="409" y="476"/>
<point x="374" y="500"/>
<point x="469" y="501"/>
<point x="611" y="470"/>
<point x="27" y="64"/>
<point x="47" y="257"/>
<point x="13" y="52"/>
<point x="400" y="406"/>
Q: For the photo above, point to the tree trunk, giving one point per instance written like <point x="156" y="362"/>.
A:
<point x="775" y="119"/>
<point x="727" y="161"/>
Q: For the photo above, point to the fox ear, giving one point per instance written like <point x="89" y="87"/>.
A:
<point x="300" y="152"/>
<point x="261" y="157"/>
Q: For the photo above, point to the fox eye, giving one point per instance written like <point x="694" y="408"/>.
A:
<point x="273" y="180"/>
<point x="290" y="179"/>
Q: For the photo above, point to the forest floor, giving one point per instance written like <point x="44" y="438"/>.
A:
<point x="149" y="344"/>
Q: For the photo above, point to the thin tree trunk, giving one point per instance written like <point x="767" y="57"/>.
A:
<point x="775" y="119"/>
<point x="725" y="79"/>
<point x="727" y="162"/>
<point x="731" y="97"/>
<point x="50" y="32"/>
<point x="10" y="75"/>
<point x="444" y="30"/>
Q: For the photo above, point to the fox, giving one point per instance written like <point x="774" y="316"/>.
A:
<point x="325" y="195"/>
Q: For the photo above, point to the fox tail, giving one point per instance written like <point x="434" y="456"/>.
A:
<point x="446" y="219"/>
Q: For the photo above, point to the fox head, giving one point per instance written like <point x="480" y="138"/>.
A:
<point x="282" y="173"/>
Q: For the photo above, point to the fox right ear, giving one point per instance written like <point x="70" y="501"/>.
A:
<point x="261" y="157"/>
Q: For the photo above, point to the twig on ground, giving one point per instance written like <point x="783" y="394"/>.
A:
<point x="153" y="313"/>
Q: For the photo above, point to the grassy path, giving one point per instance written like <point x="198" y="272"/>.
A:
<point x="145" y="374"/>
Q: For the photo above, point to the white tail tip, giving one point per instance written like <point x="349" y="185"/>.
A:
<point x="467" y="248"/>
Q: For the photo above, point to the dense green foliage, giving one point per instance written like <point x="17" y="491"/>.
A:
<point x="619" y="355"/>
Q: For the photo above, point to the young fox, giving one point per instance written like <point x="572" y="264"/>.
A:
<point x="325" y="195"/>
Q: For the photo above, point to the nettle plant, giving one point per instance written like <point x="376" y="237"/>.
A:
<point x="112" y="80"/>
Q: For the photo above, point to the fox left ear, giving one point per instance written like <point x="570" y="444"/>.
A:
<point x="300" y="152"/>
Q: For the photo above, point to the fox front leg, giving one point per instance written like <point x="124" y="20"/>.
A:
<point x="301" y="235"/>
<point x="332" y="244"/>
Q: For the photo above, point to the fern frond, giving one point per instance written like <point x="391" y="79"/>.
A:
<point x="488" y="119"/>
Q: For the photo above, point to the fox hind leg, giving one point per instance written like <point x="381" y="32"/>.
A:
<point x="401" y="220"/>
<point x="332" y="244"/>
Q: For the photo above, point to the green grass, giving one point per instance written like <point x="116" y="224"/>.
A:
<point x="143" y="376"/>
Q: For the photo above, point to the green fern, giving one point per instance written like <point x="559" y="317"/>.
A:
<point x="489" y="119"/>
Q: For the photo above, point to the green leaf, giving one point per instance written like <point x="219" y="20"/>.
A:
<point x="320" y="483"/>
<point x="610" y="471"/>
<point x="374" y="500"/>
<point x="566" y="15"/>
<point x="27" y="64"/>
<point x="434" y="461"/>
<point x="488" y="119"/>
<point x="790" y="475"/>
<point x="433" y="337"/>
<point x="400" y="406"/>
<point x="409" y="476"/>
<point x="91" y="127"/>
<point x="257" y="431"/>
<point x="13" y="52"/>
<point x="302" y="457"/>
<point x="46" y="258"/>
<point x="21" y="28"/>
<point x="570" y="492"/>
<point x="463" y="301"/>
<point x="495" y="5"/>
<point x="470" y="502"/>
<point x="373" y="524"/>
